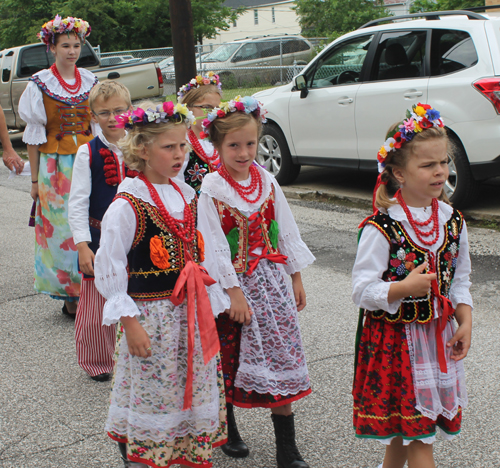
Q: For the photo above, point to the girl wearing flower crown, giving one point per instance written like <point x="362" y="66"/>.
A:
<point x="201" y="95"/>
<point x="410" y="279"/>
<point x="57" y="115"/>
<point x="247" y="220"/>
<point x="167" y="403"/>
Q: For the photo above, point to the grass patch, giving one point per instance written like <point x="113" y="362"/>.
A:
<point x="483" y="223"/>
<point x="227" y="94"/>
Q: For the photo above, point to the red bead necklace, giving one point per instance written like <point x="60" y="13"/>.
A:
<point x="185" y="233"/>
<point x="195" y="143"/>
<point x="244" y="192"/>
<point x="72" y="89"/>
<point x="434" y="218"/>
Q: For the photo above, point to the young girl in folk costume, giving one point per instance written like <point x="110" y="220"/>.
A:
<point x="247" y="221"/>
<point x="201" y="95"/>
<point x="167" y="403"/>
<point x="56" y="110"/>
<point x="410" y="278"/>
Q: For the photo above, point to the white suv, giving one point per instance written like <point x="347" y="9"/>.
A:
<point x="337" y="111"/>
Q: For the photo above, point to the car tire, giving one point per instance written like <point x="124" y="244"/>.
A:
<point x="461" y="187"/>
<point x="273" y="153"/>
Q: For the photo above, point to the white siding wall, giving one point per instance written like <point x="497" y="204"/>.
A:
<point x="286" y="22"/>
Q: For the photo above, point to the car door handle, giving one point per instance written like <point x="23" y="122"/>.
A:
<point x="113" y="76"/>
<point x="412" y="94"/>
<point x="345" y="100"/>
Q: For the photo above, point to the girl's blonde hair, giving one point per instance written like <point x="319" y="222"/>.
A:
<point x="230" y="123"/>
<point x="196" y="94"/>
<point x="399" y="159"/>
<point x="140" y="137"/>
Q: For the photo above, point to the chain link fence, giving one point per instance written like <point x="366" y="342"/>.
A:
<point x="244" y="66"/>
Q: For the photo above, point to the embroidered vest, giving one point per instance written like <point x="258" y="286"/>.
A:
<point x="244" y="234"/>
<point x="147" y="281"/>
<point x="196" y="170"/>
<point x="66" y="118"/>
<point x="406" y="255"/>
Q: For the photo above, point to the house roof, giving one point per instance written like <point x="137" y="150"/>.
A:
<point x="250" y="3"/>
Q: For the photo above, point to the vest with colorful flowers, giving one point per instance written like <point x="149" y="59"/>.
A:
<point x="196" y="170"/>
<point x="157" y="256"/>
<point x="405" y="255"/>
<point x="247" y="233"/>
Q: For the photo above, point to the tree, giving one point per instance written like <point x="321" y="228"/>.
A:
<point x="210" y="16"/>
<point x="333" y="18"/>
<point x="440" y="5"/>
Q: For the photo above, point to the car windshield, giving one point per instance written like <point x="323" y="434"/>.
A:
<point x="166" y="62"/>
<point x="222" y="53"/>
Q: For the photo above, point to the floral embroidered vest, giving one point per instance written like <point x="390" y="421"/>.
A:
<point x="147" y="281"/>
<point x="196" y="170"/>
<point x="406" y="255"/>
<point x="244" y="234"/>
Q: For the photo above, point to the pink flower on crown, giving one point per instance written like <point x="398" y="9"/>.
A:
<point x="409" y="125"/>
<point x="206" y="81"/>
<point x="168" y="107"/>
<point x="239" y="106"/>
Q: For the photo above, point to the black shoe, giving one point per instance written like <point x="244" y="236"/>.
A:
<point x="287" y="453"/>
<point x="101" y="377"/>
<point x="65" y="311"/>
<point x="123" y="452"/>
<point x="235" y="447"/>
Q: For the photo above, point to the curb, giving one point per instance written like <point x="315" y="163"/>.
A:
<point x="361" y="202"/>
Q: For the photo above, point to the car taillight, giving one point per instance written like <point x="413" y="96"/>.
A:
<point x="160" y="76"/>
<point x="490" y="87"/>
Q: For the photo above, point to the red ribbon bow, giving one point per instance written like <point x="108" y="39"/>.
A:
<point x="193" y="279"/>
<point x="447" y="312"/>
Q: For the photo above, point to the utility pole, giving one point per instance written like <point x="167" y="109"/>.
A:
<point x="181" y="23"/>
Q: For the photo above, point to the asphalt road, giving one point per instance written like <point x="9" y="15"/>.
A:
<point x="52" y="414"/>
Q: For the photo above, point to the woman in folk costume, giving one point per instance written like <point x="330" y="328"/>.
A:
<point x="56" y="110"/>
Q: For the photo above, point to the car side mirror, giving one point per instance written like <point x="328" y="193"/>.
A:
<point x="301" y="85"/>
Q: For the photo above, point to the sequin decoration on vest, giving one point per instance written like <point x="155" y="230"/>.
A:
<point x="406" y="255"/>
<point x="245" y="235"/>
<point x="149" y="278"/>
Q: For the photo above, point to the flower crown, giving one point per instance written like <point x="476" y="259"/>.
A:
<point x="200" y="80"/>
<point x="420" y="118"/>
<point x="165" y="112"/>
<point x="59" y="26"/>
<point x="246" y="104"/>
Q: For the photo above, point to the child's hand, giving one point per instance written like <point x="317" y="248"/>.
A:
<point x="298" y="291"/>
<point x="138" y="340"/>
<point x="239" y="311"/>
<point x="85" y="258"/>
<point x="416" y="284"/>
<point x="462" y="338"/>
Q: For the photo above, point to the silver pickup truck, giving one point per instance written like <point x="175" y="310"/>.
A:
<point x="17" y="64"/>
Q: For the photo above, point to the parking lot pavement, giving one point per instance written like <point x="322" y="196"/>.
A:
<point x="52" y="415"/>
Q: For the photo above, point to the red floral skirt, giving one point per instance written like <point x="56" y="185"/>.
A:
<point x="384" y="397"/>
<point x="229" y="337"/>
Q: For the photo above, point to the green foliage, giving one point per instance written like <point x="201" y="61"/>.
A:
<point x="116" y="24"/>
<point x="441" y="5"/>
<point x="333" y="18"/>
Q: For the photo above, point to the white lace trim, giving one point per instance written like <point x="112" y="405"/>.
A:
<point x="299" y="255"/>
<point x="376" y="294"/>
<point x="426" y="440"/>
<point x="169" y="196"/>
<point x="217" y="187"/>
<point x="148" y="394"/>
<point x="219" y="300"/>
<point x="46" y="76"/>
<point x="272" y="358"/>
<point x="117" y="306"/>
<point x="436" y="393"/>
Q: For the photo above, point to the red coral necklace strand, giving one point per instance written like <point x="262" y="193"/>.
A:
<point x="72" y="89"/>
<point x="244" y="192"/>
<point x="434" y="218"/>
<point x="185" y="233"/>
<point x="195" y="143"/>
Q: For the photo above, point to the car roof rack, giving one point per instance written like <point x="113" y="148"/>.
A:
<point x="429" y="15"/>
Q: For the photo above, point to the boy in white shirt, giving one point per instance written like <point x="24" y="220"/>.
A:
<point x="97" y="172"/>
